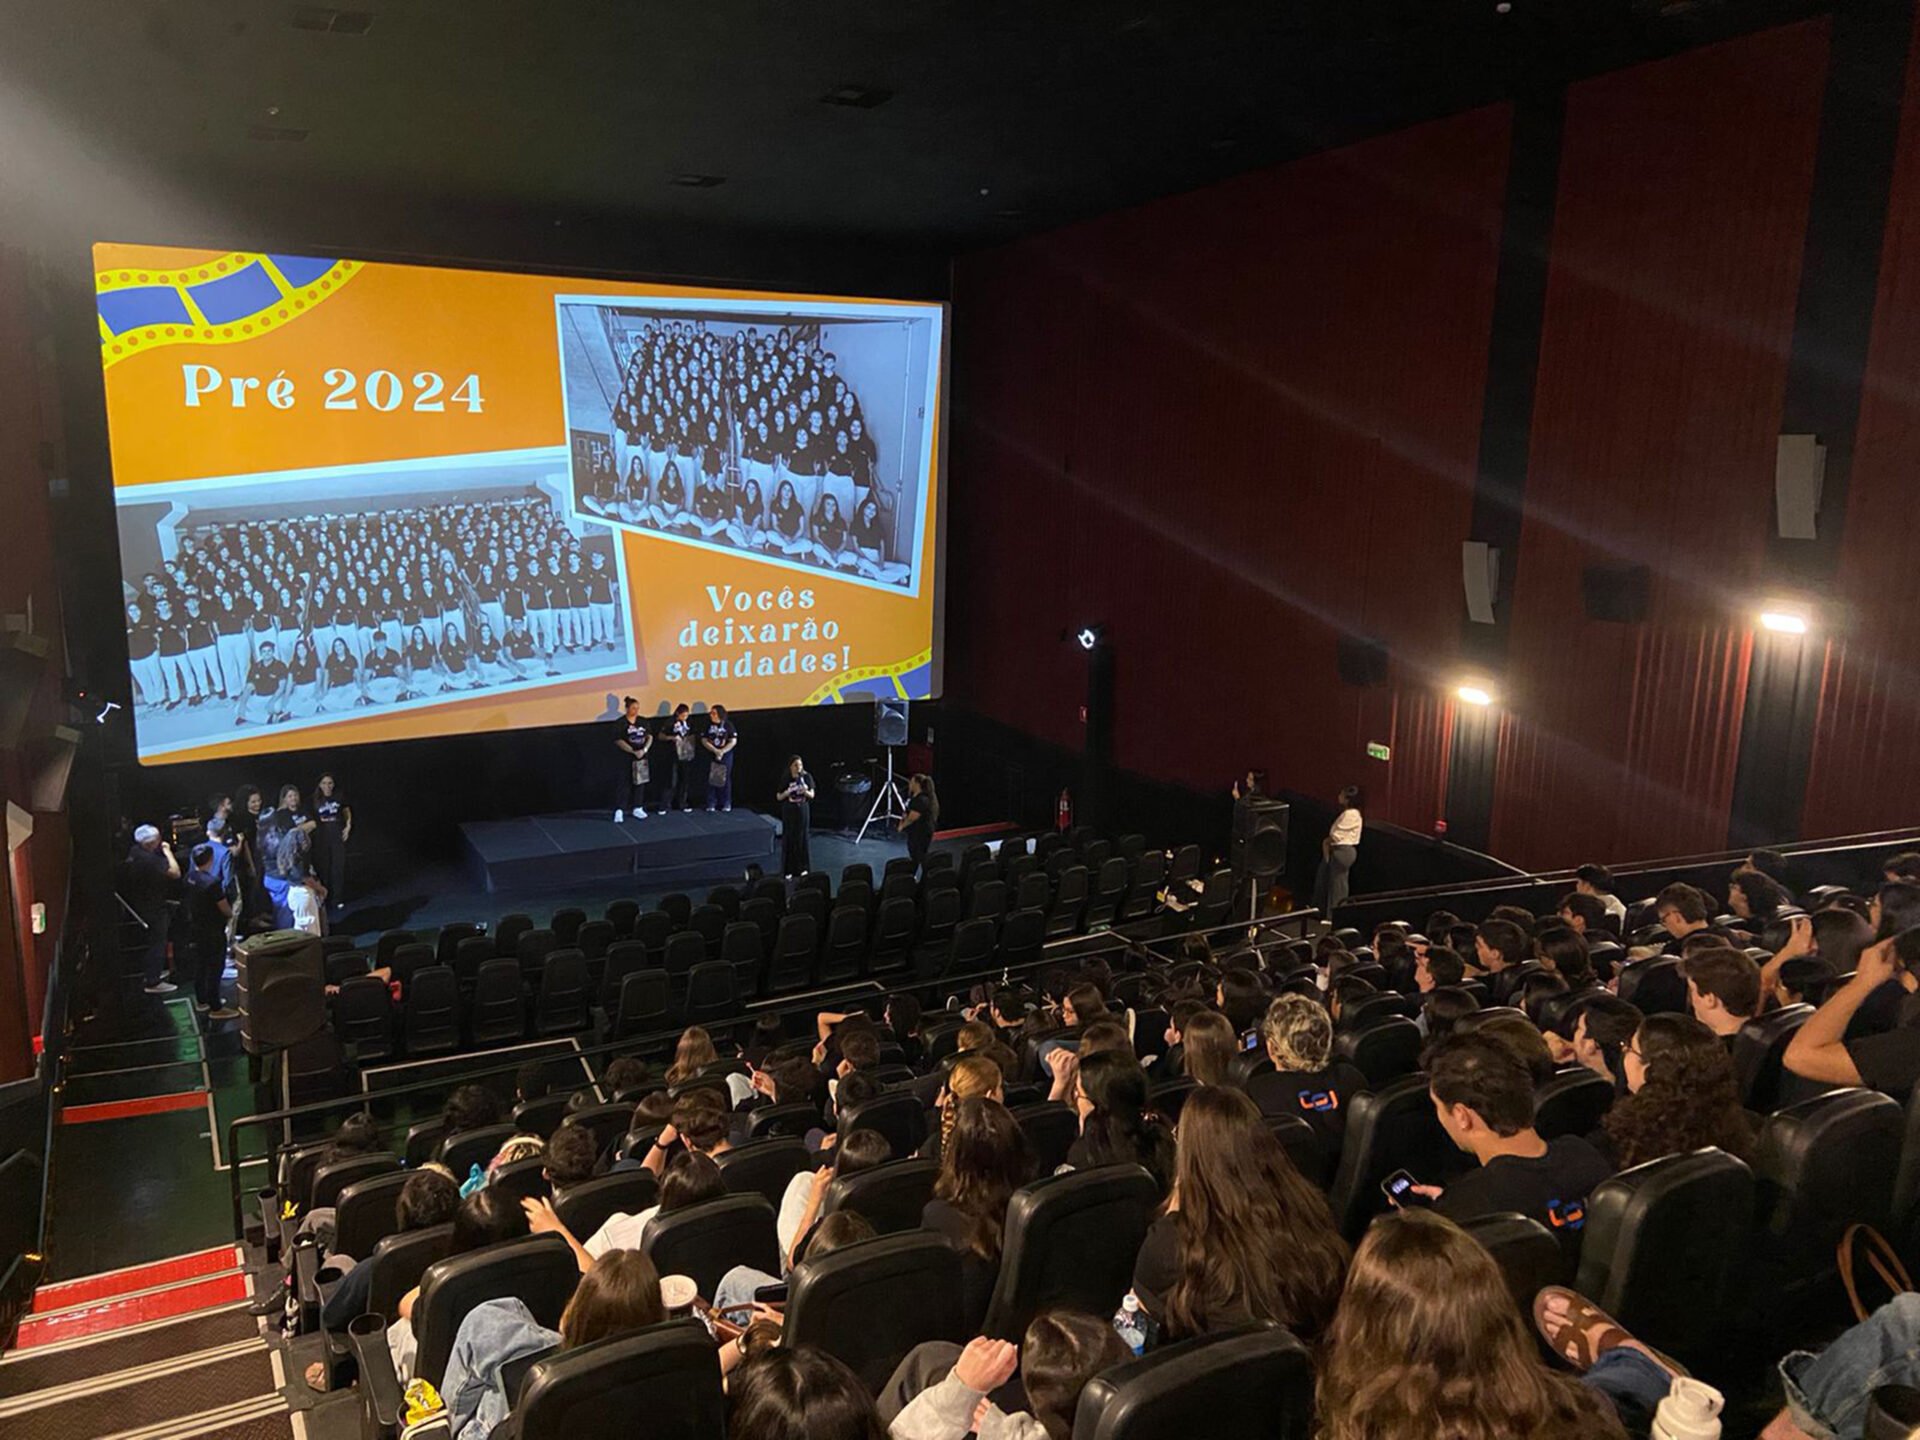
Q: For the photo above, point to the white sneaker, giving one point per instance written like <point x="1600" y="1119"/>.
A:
<point x="639" y="814"/>
<point x="619" y="816"/>
<point x="165" y="987"/>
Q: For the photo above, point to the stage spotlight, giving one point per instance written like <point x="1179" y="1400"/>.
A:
<point x="1089" y="636"/>
<point x="1475" y="692"/>
<point x="1787" y="617"/>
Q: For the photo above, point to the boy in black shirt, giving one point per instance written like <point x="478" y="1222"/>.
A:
<point x="1483" y="1094"/>
<point x="266" y="686"/>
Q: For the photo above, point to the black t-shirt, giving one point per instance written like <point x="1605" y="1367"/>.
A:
<point x="304" y="672"/>
<point x="203" y="905"/>
<point x="919" y="821"/>
<point x="786" y="519"/>
<point x="383" y="664"/>
<point x="147" y="880"/>
<point x="1890" y="1061"/>
<point x="635" y="734"/>
<point x="672" y="493"/>
<point x="977" y="1275"/>
<point x="140" y="642"/>
<point x="710" y="502"/>
<point x="330" y="812"/>
<point x="267" y="676"/>
<point x="340" y="670"/>
<point x="520" y="644"/>
<point x="1552" y="1189"/>
<point x="1319" y="1097"/>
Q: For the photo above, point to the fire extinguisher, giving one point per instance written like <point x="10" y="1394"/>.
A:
<point x="1063" y="812"/>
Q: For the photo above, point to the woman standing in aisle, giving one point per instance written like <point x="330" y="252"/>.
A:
<point x="1338" y="851"/>
<point x="923" y="810"/>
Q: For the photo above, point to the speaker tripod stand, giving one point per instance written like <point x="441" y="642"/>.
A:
<point x="889" y="801"/>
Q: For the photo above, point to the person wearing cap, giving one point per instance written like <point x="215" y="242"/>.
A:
<point x="152" y="873"/>
<point x="209" y="917"/>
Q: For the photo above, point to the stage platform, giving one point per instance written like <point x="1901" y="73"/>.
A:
<point x="554" y="851"/>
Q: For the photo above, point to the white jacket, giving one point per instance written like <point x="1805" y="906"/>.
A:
<point x="945" y="1412"/>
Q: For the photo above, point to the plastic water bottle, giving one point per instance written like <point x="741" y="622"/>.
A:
<point x="1131" y="1327"/>
<point x="1691" y="1411"/>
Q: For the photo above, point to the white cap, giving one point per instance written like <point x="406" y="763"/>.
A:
<point x="145" y="833"/>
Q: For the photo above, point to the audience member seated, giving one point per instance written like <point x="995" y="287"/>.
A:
<point x="620" y="1291"/>
<point x="1499" y="946"/>
<point x="800" y="1203"/>
<point x="1243" y="1236"/>
<point x="1101" y="1036"/>
<point x="1681" y="1096"/>
<point x="1522" y="1037"/>
<point x="571" y="1159"/>
<point x="1428" y="1342"/>
<point x="1211" y="1045"/>
<point x="970" y="1077"/>
<point x="1597" y="881"/>
<point x="700" y="1122"/>
<point x="1061" y="1351"/>
<point x="515" y="1147"/>
<point x="1444" y="1009"/>
<point x="1563" y="952"/>
<point x="1723" y="990"/>
<point x="984" y="1161"/>
<point x="484" y="1218"/>
<point x="692" y="1055"/>
<point x="690" y="1179"/>
<point x="780" y="1393"/>
<point x="470" y="1107"/>
<point x="1601" y="1031"/>
<point x="1483" y="1093"/>
<point x="1820" y="1049"/>
<point x="1830" y="940"/>
<point x="1755" y="897"/>
<point x="428" y="1198"/>
<point x="1110" y="1095"/>
<point x="1306" y="1080"/>
<point x="1585" y="915"/>
<point x="1439" y="966"/>
<point x="1682" y="910"/>
<point x="739" y="1285"/>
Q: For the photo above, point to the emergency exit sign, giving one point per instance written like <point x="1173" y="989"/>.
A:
<point x="1377" y="751"/>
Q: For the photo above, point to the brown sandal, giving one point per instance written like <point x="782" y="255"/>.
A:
<point x="1587" y="1332"/>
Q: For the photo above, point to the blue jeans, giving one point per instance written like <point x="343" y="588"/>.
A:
<point x="277" y="892"/>
<point x="1827" y="1393"/>
<point x="738" y="1285"/>
<point x="1633" y="1382"/>
<point x="721" y="796"/>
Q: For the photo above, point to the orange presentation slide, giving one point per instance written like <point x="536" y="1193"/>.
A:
<point x="364" y="501"/>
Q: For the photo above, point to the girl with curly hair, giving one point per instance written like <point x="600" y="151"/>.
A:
<point x="1681" y="1094"/>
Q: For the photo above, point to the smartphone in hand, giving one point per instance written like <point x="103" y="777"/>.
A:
<point x="1399" y="1188"/>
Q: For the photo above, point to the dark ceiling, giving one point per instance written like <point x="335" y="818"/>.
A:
<point x="415" y="124"/>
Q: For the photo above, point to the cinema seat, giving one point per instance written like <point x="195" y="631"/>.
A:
<point x="1528" y="1254"/>
<point x="1572" y="1102"/>
<point x="1069" y="901"/>
<point x="897" y="1115"/>
<point x="1070" y="1241"/>
<point x="522" y="1179"/>
<point x="1660" y="1245"/>
<point x="845" y="948"/>
<point x="888" y="1197"/>
<point x="1384" y="1048"/>
<point x="1392" y="1128"/>
<point x="793" y="951"/>
<point x="1821" y="1166"/>
<point x="498" y="1014"/>
<point x="330" y="1180"/>
<point x="1254" y="1383"/>
<point x="1021" y="938"/>
<point x="894" y="927"/>
<point x="645" y="1005"/>
<point x="566" y="924"/>
<point x="364" y="1213"/>
<point x="868" y="1304"/>
<point x="506" y="935"/>
<point x="460" y="1153"/>
<point x="706" y="1240"/>
<point x="561" y="1004"/>
<point x="710" y="994"/>
<point x="668" y="1373"/>
<point x="795" y="1119"/>
<point x="539" y="1271"/>
<point x="430" y="1017"/>
<point x="763" y="1167"/>
<point x="590" y="1204"/>
<point x="1759" y="1047"/>
<point x="606" y="1122"/>
<point x="363" y="1019"/>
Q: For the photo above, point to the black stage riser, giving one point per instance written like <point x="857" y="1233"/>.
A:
<point x="547" y="851"/>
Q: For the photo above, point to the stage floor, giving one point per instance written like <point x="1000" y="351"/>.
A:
<point x="556" y="851"/>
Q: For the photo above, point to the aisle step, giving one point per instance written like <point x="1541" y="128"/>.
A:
<point x="64" y="1294"/>
<point x="108" y="1315"/>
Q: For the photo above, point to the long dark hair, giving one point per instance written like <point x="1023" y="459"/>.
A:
<point x="1690" y="1098"/>
<point x="1256" y="1240"/>
<point x="1118" y="1131"/>
<point x="925" y="782"/>
<point x="983" y="1160"/>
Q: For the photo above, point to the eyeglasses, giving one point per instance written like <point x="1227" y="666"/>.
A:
<point x="1632" y="1047"/>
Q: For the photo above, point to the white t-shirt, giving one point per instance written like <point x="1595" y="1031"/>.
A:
<point x="1616" y="907"/>
<point x="793" y="1205"/>
<point x="621" y="1232"/>
<point x="1346" y="827"/>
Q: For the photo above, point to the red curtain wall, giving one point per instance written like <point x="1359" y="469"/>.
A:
<point x="1231" y="425"/>
<point x="1866" y="762"/>
<point x="1673" y="278"/>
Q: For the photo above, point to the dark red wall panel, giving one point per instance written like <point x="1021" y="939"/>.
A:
<point x="1233" y="424"/>
<point x="1673" y="277"/>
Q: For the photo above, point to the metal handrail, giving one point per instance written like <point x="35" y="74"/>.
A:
<point x="1068" y="949"/>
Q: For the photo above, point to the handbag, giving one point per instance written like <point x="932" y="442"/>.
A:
<point x="1880" y="1256"/>
<point x="642" y="772"/>
<point x="718" y="774"/>
<point x="683" y="748"/>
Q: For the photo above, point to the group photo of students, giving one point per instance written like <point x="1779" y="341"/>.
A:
<point x="749" y="436"/>
<point x="367" y="607"/>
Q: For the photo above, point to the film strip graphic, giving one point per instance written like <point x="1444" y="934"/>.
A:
<point x="222" y="301"/>
<point x="909" y="679"/>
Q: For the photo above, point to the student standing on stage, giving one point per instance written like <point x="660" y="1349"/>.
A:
<point x="633" y="739"/>
<point x="796" y="818"/>
<point x="333" y="827"/>
<point x="720" y="740"/>
<point x="923" y="809"/>
<point x="673" y="792"/>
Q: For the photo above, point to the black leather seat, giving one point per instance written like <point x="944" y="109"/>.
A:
<point x="652" y="928"/>
<point x="1069" y="901"/>
<point x="363" y="1018"/>
<point x="410" y="960"/>
<point x="1021" y="937"/>
<point x="793" y="953"/>
<point x="709" y="922"/>
<point x="532" y="952"/>
<point x="623" y="958"/>
<point x="562" y="1003"/>
<point x="645" y="1005"/>
<point x="566" y="924"/>
<point x="596" y="937"/>
<point x="590" y="1204"/>
<point x="898" y="1115"/>
<point x="506" y="935"/>
<point x="1050" y="1128"/>
<point x="972" y="947"/>
<point x="423" y="1140"/>
<point x="541" y="1116"/>
<point x="1656" y="986"/>
<point x="469" y="955"/>
<point x="1820" y="1166"/>
<point x="1383" y="1048"/>
<point x="1758" y="1048"/>
<point x="1254" y="1383"/>
<point x="430" y="1018"/>
<point x="1304" y="1148"/>
<point x="389" y="942"/>
<point x="330" y="1180"/>
<point x="1571" y="1102"/>
<point x="522" y="1179"/>
<point x="705" y="1241"/>
<point x="460" y="1153"/>
<point x="364" y="1213"/>
<point x="1659" y="1246"/>
<point x="668" y="1373"/>
<point x="1388" y="1129"/>
<point x="539" y="1271"/>
<point x="740" y="951"/>
<point x="795" y="1119"/>
<point x="1070" y="1240"/>
<point x="1109" y="890"/>
<point x="846" y="945"/>
<point x="1528" y="1254"/>
<point x="398" y="1263"/>
<point x="763" y="1167"/>
<point x="869" y="1303"/>
<point x="710" y="995"/>
<point x="607" y="1122"/>
<point x="621" y="914"/>
<point x="893" y="934"/>
<point x="498" y="1014"/>
<point x="1169" y="1098"/>
<point x="888" y="1197"/>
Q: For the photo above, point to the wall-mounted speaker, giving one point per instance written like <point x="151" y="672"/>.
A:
<point x="1799" y="473"/>
<point x="1616" y="592"/>
<point x="1480" y="576"/>
<point x="889" y="721"/>
<point x="1362" y="662"/>
<point x="52" y="765"/>
<point x="23" y="660"/>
